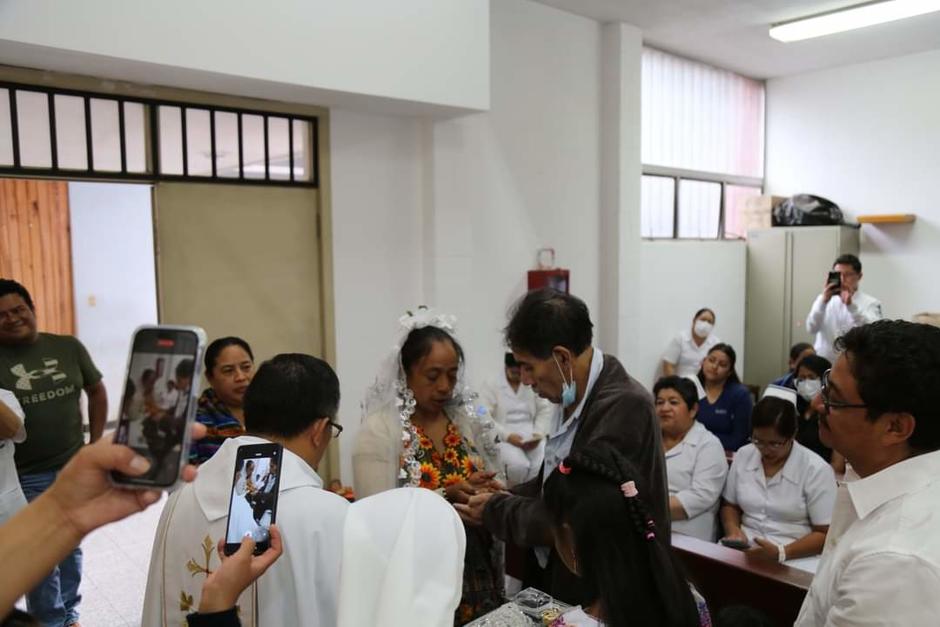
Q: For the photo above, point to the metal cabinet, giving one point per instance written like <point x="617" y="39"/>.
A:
<point x="786" y="269"/>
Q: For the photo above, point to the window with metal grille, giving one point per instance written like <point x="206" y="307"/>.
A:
<point x="59" y="132"/>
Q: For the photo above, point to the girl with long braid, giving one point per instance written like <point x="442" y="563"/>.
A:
<point x="604" y="533"/>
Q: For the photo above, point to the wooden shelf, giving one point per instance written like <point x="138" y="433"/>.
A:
<point x="887" y="218"/>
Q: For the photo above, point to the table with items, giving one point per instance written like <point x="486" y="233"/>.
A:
<point x="527" y="608"/>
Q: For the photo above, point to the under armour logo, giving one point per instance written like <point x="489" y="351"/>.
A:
<point x="26" y="377"/>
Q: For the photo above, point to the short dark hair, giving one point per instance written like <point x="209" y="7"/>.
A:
<point x="289" y="393"/>
<point x="685" y="388"/>
<point x="703" y="310"/>
<point x="546" y="318"/>
<point x="510" y="361"/>
<point x="817" y="363"/>
<point x="636" y="578"/>
<point x="849" y="259"/>
<point x="896" y="365"/>
<point x="732" y="357"/>
<point x="217" y="346"/>
<point x="185" y="369"/>
<point x="9" y="286"/>
<point x="772" y="411"/>
<point x="797" y="349"/>
<point x="419" y="342"/>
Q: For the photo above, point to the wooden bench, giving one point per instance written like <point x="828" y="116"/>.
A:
<point x="726" y="577"/>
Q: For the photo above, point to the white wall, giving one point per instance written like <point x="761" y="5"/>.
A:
<point x="523" y="176"/>
<point x="113" y="273"/>
<point x="866" y="136"/>
<point x="376" y="164"/>
<point x="681" y="277"/>
<point x="320" y="51"/>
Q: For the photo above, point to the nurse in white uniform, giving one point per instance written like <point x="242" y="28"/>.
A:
<point x="779" y="495"/>
<point x="522" y="419"/>
<point x="683" y="357"/>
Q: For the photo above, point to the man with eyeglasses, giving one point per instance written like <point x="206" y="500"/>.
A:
<point x="292" y="400"/>
<point x="881" y="562"/>
<point x="841" y="306"/>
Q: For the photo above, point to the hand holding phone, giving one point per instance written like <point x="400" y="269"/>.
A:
<point x="252" y="507"/>
<point x="833" y="285"/>
<point x="154" y="417"/>
<point x="735" y="543"/>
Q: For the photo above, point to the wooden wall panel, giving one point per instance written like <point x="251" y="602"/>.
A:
<point x="35" y="247"/>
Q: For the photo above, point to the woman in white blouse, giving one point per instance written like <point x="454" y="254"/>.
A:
<point x="695" y="460"/>
<point x="686" y="351"/>
<point x="779" y="495"/>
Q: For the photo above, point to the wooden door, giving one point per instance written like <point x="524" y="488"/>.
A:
<point x="244" y="261"/>
<point x="35" y="247"/>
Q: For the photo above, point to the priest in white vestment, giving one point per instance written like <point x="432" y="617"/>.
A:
<point x="292" y="400"/>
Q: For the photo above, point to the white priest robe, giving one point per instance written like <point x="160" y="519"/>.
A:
<point x="301" y="588"/>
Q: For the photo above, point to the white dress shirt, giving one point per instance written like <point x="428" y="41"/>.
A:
<point x="686" y="355"/>
<point x="830" y="321"/>
<point x="558" y="444"/>
<point x="881" y="564"/>
<point x="11" y="496"/>
<point x="301" y="588"/>
<point x="785" y="507"/>
<point x="696" y="469"/>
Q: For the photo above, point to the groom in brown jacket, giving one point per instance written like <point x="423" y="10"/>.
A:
<point x="550" y="334"/>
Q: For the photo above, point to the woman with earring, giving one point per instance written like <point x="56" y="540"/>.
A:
<point x="423" y="429"/>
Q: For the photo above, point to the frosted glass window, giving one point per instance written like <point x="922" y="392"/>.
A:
<point x="279" y="149"/>
<point x="72" y="149"/>
<point x="135" y="136"/>
<point x="253" y="141"/>
<point x="32" y="114"/>
<point x="699" y="209"/>
<point x="105" y="135"/>
<point x="303" y="151"/>
<point x="226" y="144"/>
<point x="657" y="204"/>
<point x="171" y="140"/>
<point x="6" y="129"/>
<point x="198" y="143"/>
<point x="736" y="219"/>
<point x="698" y="117"/>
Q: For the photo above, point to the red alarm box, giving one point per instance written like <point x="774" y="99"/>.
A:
<point x="557" y="278"/>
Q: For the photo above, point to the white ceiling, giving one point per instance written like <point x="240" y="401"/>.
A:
<point x="733" y="33"/>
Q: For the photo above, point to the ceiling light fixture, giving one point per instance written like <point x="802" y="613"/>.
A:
<point x="858" y="16"/>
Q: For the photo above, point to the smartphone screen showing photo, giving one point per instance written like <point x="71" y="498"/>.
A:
<point x="157" y="401"/>
<point x="253" y="503"/>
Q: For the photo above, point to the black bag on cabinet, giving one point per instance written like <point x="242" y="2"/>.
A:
<point x="806" y="210"/>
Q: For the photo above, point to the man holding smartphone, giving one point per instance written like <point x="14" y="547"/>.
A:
<point x="841" y="306"/>
<point x="48" y="373"/>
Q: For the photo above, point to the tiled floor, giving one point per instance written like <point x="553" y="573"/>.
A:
<point x="114" y="572"/>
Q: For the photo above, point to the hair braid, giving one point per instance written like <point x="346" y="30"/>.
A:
<point x="636" y="508"/>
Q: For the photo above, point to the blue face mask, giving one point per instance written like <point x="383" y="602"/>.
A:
<point x="569" y="391"/>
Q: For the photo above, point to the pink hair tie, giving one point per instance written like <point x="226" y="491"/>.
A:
<point x="629" y="489"/>
<point x="565" y="470"/>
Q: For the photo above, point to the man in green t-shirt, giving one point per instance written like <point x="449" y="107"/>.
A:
<point x="47" y="373"/>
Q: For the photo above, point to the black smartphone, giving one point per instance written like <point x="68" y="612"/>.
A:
<point x="252" y="507"/>
<point x="741" y="545"/>
<point x="835" y="278"/>
<point x="159" y="401"/>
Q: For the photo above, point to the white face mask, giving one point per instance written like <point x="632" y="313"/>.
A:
<point x="808" y="388"/>
<point x="703" y="328"/>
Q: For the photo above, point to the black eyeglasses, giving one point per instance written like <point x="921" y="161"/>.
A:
<point x="831" y="404"/>
<point x="335" y="428"/>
